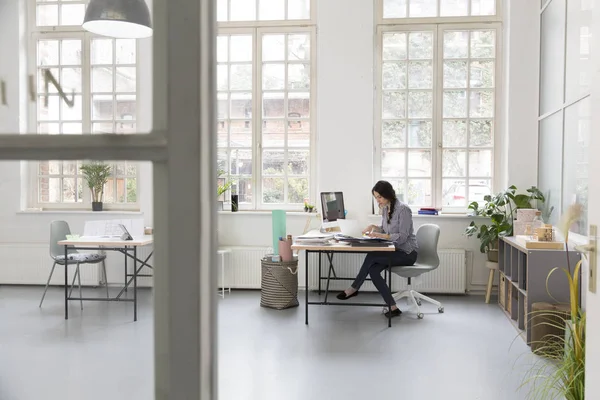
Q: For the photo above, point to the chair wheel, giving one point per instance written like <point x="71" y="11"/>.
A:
<point x="420" y="315"/>
<point x="441" y="310"/>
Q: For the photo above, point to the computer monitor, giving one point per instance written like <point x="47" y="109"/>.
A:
<point x="332" y="204"/>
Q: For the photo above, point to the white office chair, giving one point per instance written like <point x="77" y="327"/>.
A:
<point x="427" y="260"/>
<point x="58" y="231"/>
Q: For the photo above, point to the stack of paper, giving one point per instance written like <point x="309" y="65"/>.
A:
<point x="313" y="237"/>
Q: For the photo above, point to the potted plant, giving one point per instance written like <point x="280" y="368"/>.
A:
<point x="501" y="210"/>
<point x="565" y="375"/>
<point x="96" y="174"/>
<point x="223" y="185"/>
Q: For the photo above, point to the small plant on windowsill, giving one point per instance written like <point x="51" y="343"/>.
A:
<point x="222" y="188"/>
<point x="96" y="174"/>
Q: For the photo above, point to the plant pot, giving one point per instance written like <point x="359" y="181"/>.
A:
<point x="492" y="255"/>
<point x="96" y="206"/>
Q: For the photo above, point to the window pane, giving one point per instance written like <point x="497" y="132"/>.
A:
<point x="454" y="133"/>
<point x="394" y="105"/>
<point x="455" y="74"/>
<point x="420" y="45"/>
<point x="454" y="163"/>
<point x="420" y="104"/>
<point x="420" y="75"/>
<point x="419" y="133"/>
<point x="70" y="52"/>
<point x="453" y="8"/>
<point x="455" y="104"/>
<point x="576" y="160"/>
<point x="419" y="192"/>
<point x="71" y="112"/>
<point x="394" y="75"/>
<point x="480" y="163"/>
<point x="394" y="8"/>
<point x="102" y="51"/>
<point x="47" y="52"/>
<point x="241" y="77"/>
<point x="394" y="46"/>
<point x="480" y="132"/>
<point x="393" y="134"/>
<point x="298" y="105"/>
<point x="125" y="51"/>
<point x="483" y="7"/>
<point x="578" y="74"/>
<point x="102" y="79"/>
<point x="272" y="190"/>
<point x="483" y="44"/>
<point x="478" y="189"/>
<point x="47" y="15"/>
<point x="297" y="190"/>
<point x="552" y="56"/>
<point x="222" y="48"/>
<point x="72" y="14"/>
<point x="240" y="47"/>
<point x="422" y="8"/>
<point x="102" y="107"/>
<point x="482" y="74"/>
<point x="273" y="105"/>
<point x="481" y="104"/>
<point x="419" y="163"/>
<point x="243" y="188"/>
<point x="242" y="10"/>
<point x="456" y="44"/>
<point x="70" y="80"/>
<point x="273" y="133"/>
<point x="393" y="163"/>
<point x="298" y="9"/>
<point x="222" y="10"/>
<point x="222" y="77"/>
<point x="298" y="76"/>
<point x="271" y="10"/>
<point x="273" y="162"/>
<point x="298" y="162"/>
<point x="298" y="133"/>
<point x="454" y="193"/>
<point x="273" y="76"/>
<point x="273" y="48"/>
<point x="549" y="165"/>
<point x="298" y="47"/>
<point x="241" y="162"/>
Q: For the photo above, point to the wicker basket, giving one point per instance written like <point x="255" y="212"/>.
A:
<point x="279" y="284"/>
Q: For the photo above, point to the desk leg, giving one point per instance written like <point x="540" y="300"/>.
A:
<point x="134" y="283"/>
<point x="306" y="254"/>
<point x="389" y="276"/>
<point x="320" y="255"/>
<point x="66" y="285"/>
<point x="126" y="267"/>
<point x="328" y="276"/>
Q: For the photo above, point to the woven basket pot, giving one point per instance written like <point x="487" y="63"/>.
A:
<point x="279" y="284"/>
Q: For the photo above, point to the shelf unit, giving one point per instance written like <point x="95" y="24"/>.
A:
<point x="523" y="275"/>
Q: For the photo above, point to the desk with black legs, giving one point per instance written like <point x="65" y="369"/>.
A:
<point x="330" y="250"/>
<point x="127" y="247"/>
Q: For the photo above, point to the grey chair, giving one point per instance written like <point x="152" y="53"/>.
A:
<point x="59" y="231"/>
<point x="427" y="260"/>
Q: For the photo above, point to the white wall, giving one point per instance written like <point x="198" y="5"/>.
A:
<point x="344" y="123"/>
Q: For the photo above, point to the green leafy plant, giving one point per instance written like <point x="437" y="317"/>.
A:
<point x="501" y="210"/>
<point x="96" y="174"/>
<point x="223" y="187"/>
<point x="564" y="374"/>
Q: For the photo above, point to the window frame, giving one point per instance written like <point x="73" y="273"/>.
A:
<point x="257" y="29"/>
<point x="380" y="20"/>
<point x="35" y="34"/>
<point x="439" y="25"/>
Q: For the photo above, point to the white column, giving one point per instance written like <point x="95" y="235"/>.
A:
<point x="519" y="122"/>
<point x="184" y="204"/>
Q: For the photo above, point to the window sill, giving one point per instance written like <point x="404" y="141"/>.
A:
<point x="265" y="212"/>
<point x="58" y="211"/>
<point x="443" y="216"/>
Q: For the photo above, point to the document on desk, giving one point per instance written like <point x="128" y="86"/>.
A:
<point x="110" y="227"/>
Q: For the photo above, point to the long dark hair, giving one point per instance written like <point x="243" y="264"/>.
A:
<point x="386" y="190"/>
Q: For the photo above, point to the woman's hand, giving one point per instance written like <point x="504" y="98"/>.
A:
<point x="370" y="230"/>
<point x="379" y="235"/>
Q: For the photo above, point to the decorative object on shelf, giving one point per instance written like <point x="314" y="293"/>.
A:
<point x="308" y="207"/>
<point x="566" y="375"/>
<point x="222" y="188"/>
<point x="234" y="202"/>
<point x="118" y="18"/>
<point x="96" y="174"/>
<point x="501" y="209"/>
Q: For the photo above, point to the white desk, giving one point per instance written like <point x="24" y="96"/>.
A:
<point x="339" y="248"/>
<point x="125" y="247"/>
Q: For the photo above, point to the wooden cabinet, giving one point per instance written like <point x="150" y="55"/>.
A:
<point x="523" y="276"/>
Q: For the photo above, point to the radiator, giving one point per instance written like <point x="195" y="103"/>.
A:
<point x="243" y="271"/>
<point x="30" y="264"/>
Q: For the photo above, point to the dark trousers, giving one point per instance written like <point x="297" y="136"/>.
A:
<point x="376" y="262"/>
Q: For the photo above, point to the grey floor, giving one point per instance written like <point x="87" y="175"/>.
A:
<point x="469" y="352"/>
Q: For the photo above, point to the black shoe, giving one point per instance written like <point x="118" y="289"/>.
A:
<point x="342" y="295"/>
<point x="395" y="313"/>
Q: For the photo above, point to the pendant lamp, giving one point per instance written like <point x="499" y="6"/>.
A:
<point x="118" y="18"/>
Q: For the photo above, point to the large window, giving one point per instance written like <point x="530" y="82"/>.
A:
<point x="265" y="101"/>
<point x="436" y="102"/>
<point x="98" y="80"/>
<point x="565" y="109"/>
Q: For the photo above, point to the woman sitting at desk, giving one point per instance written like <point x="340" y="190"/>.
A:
<point x="396" y="226"/>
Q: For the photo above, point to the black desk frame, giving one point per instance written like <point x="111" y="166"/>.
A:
<point x="329" y="254"/>
<point x="127" y="251"/>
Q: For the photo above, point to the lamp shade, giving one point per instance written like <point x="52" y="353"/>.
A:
<point x="118" y="18"/>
